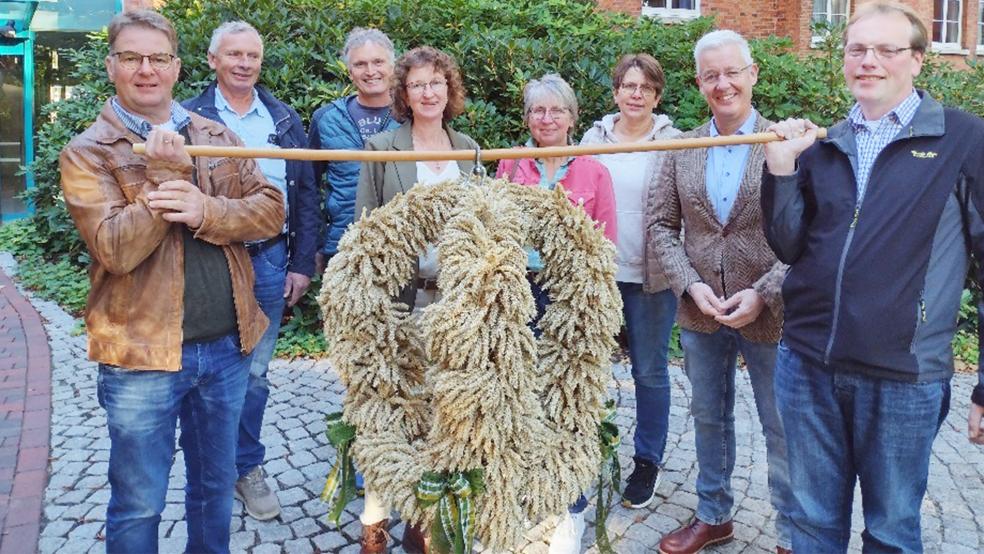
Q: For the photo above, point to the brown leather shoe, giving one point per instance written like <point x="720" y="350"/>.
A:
<point x="694" y="537"/>
<point x="779" y="549"/>
<point x="415" y="541"/>
<point x="375" y="538"/>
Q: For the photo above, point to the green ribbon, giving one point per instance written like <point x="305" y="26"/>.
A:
<point x="609" y="476"/>
<point x="453" y="529"/>
<point x="340" y="486"/>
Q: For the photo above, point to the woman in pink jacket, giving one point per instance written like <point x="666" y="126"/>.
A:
<point x="550" y="112"/>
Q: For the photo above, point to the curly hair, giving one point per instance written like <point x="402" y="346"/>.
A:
<point x="442" y="63"/>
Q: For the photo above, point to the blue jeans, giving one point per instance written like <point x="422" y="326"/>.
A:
<point x="849" y="427"/>
<point x="142" y="410"/>
<point x="270" y="270"/>
<point x="649" y="322"/>
<point x="709" y="361"/>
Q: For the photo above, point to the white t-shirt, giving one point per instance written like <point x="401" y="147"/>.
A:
<point x="427" y="176"/>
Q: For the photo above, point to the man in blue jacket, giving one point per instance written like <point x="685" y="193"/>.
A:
<point x="348" y="122"/>
<point x="878" y="223"/>
<point x="283" y="264"/>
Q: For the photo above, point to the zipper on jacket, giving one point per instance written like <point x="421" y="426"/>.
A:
<point x="840" y="280"/>
<point x="920" y="319"/>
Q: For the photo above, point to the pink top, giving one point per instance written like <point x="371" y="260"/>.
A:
<point x="586" y="180"/>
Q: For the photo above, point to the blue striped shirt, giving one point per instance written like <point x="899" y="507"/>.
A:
<point x="141" y="127"/>
<point x="873" y="136"/>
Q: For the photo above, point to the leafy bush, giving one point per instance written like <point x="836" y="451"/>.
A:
<point x="60" y="280"/>
<point x="499" y="44"/>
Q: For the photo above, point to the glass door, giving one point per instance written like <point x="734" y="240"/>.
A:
<point x="12" y="147"/>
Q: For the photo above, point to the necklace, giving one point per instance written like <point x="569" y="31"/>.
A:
<point x="443" y="142"/>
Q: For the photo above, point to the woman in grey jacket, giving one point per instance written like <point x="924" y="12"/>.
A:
<point x="649" y="305"/>
<point x="427" y="93"/>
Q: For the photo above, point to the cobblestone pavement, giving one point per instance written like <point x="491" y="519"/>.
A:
<point x="298" y="459"/>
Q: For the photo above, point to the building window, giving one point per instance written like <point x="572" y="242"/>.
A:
<point x="980" y="25"/>
<point x="828" y="15"/>
<point x="671" y="9"/>
<point x="946" y="24"/>
<point x="831" y="12"/>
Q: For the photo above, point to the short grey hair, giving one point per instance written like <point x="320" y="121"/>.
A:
<point x="717" y="39"/>
<point x="231" y="28"/>
<point x="361" y="36"/>
<point x="550" y="85"/>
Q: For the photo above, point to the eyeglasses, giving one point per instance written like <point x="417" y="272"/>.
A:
<point x="133" y="60"/>
<point x="540" y="113"/>
<point x="881" y="51"/>
<point x="418" y="88"/>
<point x="712" y="77"/>
<point x="642" y="88"/>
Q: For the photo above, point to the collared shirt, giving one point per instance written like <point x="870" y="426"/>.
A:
<point x="873" y="136"/>
<point x="257" y="129"/>
<point x="141" y="127"/>
<point x="725" y="168"/>
<point x="533" y="260"/>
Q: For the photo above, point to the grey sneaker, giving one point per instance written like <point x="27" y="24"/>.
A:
<point x="256" y="495"/>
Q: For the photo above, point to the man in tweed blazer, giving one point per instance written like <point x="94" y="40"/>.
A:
<point x="728" y="281"/>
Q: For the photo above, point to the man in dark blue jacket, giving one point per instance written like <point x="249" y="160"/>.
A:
<point x="348" y="122"/>
<point x="878" y="223"/>
<point x="283" y="264"/>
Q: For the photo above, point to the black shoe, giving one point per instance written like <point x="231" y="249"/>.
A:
<point x="640" y="488"/>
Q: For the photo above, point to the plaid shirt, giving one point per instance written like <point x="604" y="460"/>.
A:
<point x="873" y="136"/>
<point x="141" y="127"/>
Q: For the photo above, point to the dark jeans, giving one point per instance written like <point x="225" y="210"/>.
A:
<point x="142" y="411"/>
<point x="270" y="270"/>
<point x="844" y="427"/>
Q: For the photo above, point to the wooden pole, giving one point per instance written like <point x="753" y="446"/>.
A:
<point x="486" y="155"/>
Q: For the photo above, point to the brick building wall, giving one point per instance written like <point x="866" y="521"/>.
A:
<point x="761" y="18"/>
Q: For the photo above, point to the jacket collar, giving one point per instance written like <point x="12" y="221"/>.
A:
<point x="929" y="121"/>
<point x="697" y="158"/>
<point x="407" y="171"/>
<point x="110" y="129"/>
<point x="205" y="102"/>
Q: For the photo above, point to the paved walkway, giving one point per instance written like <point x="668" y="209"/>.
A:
<point x="25" y="412"/>
<point x="299" y="457"/>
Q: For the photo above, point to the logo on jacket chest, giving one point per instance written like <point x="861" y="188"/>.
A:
<point x="923" y="155"/>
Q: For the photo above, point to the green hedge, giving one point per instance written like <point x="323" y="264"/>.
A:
<point x="499" y="44"/>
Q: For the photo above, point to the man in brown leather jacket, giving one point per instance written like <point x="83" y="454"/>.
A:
<point x="171" y="314"/>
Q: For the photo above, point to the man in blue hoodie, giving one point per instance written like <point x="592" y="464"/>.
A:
<point x="878" y="223"/>
<point x="283" y="264"/>
<point x="347" y="123"/>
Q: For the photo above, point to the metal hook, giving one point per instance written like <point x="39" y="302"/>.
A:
<point x="479" y="170"/>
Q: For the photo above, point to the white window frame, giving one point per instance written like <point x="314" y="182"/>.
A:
<point x="815" y="39"/>
<point x="950" y="46"/>
<point x="980" y="26"/>
<point x="673" y="14"/>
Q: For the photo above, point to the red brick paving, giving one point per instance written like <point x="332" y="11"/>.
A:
<point x="25" y="419"/>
